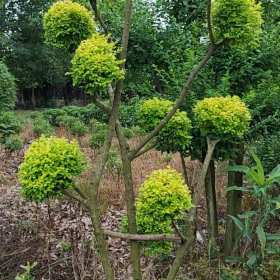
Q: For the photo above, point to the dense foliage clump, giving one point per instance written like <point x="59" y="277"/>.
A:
<point x="163" y="198"/>
<point x="95" y="65"/>
<point x="221" y="117"/>
<point x="7" y="89"/>
<point x="175" y="136"/>
<point x="49" y="167"/>
<point x="67" y="23"/>
<point x="237" y="22"/>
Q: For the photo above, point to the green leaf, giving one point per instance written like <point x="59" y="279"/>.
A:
<point x="262" y="238"/>
<point x="235" y="188"/>
<point x="273" y="237"/>
<point x="274" y="175"/>
<point x="238" y="223"/>
<point x="239" y="168"/>
<point x="252" y="260"/>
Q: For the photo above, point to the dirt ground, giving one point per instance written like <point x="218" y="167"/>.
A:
<point x="57" y="235"/>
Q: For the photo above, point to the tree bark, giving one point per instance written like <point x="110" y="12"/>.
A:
<point x="130" y="204"/>
<point x="234" y="204"/>
<point x="185" y="171"/>
<point x="211" y="201"/>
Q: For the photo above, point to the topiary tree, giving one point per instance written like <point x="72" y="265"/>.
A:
<point x="218" y="118"/>
<point x="7" y="89"/>
<point x="63" y="29"/>
<point x="162" y="201"/>
<point x="67" y="23"/>
<point x="49" y="168"/>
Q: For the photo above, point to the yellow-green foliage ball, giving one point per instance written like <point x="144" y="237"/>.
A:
<point x="49" y="167"/>
<point x="237" y="22"/>
<point x="222" y="117"/>
<point x="175" y="136"/>
<point x="163" y="197"/>
<point x="66" y="24"/>
<point x="95" y="65"/>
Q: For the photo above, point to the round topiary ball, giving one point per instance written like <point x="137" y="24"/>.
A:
<point x="94" y="65"/>
<point x="237" y="22"/>
<point x="49" y="167"/>
<point x="175" y="136"/>
<point x="222" y="117"/>
<point x="7" y="89"/>
<point x="66" y="24"/>
<point x="162" y="199"/>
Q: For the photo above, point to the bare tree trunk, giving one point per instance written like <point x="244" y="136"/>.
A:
<point x="234" y="204"/>
<point x="33" y="98"/>
<point x="185" y="171"/>
<point x="130" y="204"/>
<point x="211" y="200"/>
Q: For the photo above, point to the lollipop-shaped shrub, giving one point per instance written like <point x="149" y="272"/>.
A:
<point x="95" y="65"/>
<point x="66" y="24"/>
<point x="175" y="136"/>
<point x="49" y="168"/>
<point x="222" y="117"/>
<point x="163" y="198"/>
<point x="237" y="22"/>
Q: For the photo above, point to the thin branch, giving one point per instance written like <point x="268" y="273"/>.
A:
<point x="106" y="109"/>
<point x="143" y="151"/>
<point x="180" y="100"/>
<point x="76" y="196"/>
<point x="98" y="16"/>
<point x="209" y="22"/>
<point x="183" y="238"/>
<point x="143" y="237"/>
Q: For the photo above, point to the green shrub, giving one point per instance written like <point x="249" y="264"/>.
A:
<point x="49" y="167"/>
<point x="175" y="136"/>
<point x="53" y="115"/>
<point x="128" y="113"/>
<point x="237" y="22"/>
<point x="152" y="111"/>
<point x="268" y="150"/>
<point x="222" y="117"/>
<point x="98" y="134"/>
<point x="162" y="199"/>
<point x="42" y="126"/>
<point x="7" y="89"/>
<point x="94" y="65"/>
<point x="73" y="125"/>
<point x="9" y="124"/>
<point x="12" y="143"/>
<point x="66" y="24"/>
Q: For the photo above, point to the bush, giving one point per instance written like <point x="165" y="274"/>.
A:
<point x="73" y="125"/>
<point x="94" y="65"/>
<point x="222" y="117"/>
<point x="53" y="115"/>
<point x="152" y="111"/>
<point x="13" y="143"/>
<point x="42" y="126"/>
<point x="66" y="24"/>
<point x="128" y="113"/>
<point x="98" y="131"/>
<point x="237" y="22"/>
<point x="163" y="198"/>
<point x="9" y="124"/>
<point x="268" y="150"/>
<point x="7" y="89"/>
<point x="49" y="167"/>
<point x="175" y="136"/>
